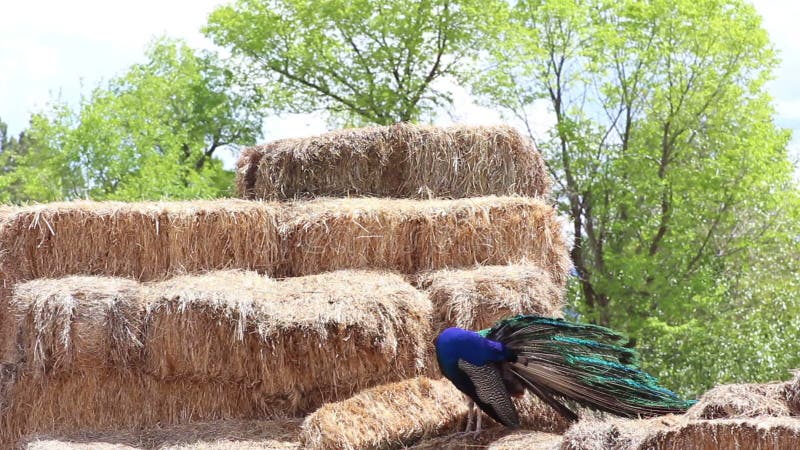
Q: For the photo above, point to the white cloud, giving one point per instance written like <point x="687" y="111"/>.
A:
<point x="49" y="46"/>
<point x="788" y="109"/>
<point x="122" y="23"/>
<point x="780" y="21"/>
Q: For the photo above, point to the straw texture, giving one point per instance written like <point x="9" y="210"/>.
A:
<point x="474" y="299"/>
<point x="676" y="433"/>
<point x="404" y="161"/>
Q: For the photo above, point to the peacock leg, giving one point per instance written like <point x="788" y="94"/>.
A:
<point x="478" y="426"/>
<point x="470" y="413"/>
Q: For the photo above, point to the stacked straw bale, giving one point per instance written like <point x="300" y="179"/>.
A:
<point x="183" y="338"/>
<point x="124" y="400"/>
<point x="680" y="433"/>
<point x="494" y="439"/>
<point x="404" y="161"/>
<point x="475" y="299"/>
<point x="151" y="241"/>
<point x="78" y="323"/>
<point x="216" y="346"/>
<point x="731" y="401"/>
<point x="403" y="413"/>
<point x="310" y="339"/>
<point x="223" y="434"/>
<point x="751" y="416"/>
<point x="411" y="235"/>
<point x="386" y="416"/>
<point x="792" y="393"/>
<point x="144" y="241"/>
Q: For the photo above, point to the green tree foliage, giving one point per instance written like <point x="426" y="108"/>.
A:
<point x="676" y="179"/>
<point x="12" y="149"/>
<point x="149" y="134"/>
<point x="365" y="61"/>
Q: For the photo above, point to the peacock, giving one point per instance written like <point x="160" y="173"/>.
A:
<point x="555" y="359"/>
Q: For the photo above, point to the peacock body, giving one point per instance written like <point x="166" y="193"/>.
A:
<point x="556" y="360"/>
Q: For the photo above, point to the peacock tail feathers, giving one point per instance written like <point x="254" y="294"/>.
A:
<point x="589" y="364"/>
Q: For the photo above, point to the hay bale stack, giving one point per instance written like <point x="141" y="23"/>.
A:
<point x="308" y="339"/>
<point x="677" y="433"/>
<point x="410" y="236"/>
<point x="107" y="353"/>
<point x="144" y="241"/>
<point x="475" y="299"/>
<point x="150" y="241"/>
<point x="741" y="401"/>
<point x="403" y="413"/>
<point x="402" y="161"/>
<point x="223" y="434"/>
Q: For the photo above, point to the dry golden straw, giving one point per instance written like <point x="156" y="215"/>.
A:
<point x="493" y="439"/>
<point x="679" y="433"/>
<point x="145" y="241"/>
<point x="123" y="400"/>
<point x="151" y="241"/>
<point x="99" y="353"/>
<point x="221" y="434"/>
<point x="475" y="299"/>
<point x="386" y="416"/>
<point x="742" y="401"/>
<point x="792" y="393"/>
<point x="311" y="339"/>
<point x="403" y="413"/>
<point x="404" y="160"/>
<point x="78" y="323"/>
<point x="412" y="235"/>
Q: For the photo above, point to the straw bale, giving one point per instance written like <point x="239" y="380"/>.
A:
<point x="412" y="235"/>
<point x="150" y="241"/>
<point x="77" y="323"/>
<point x="754" y="434"/>
<point x="475" y="299"/>
<point x="494" y="439"/>
<point x="533" y="440"/>
<point x="792" y="393"/>
<point x="314" y="339"/>
<point x="144" y="241"/>
<point x="122" y="400"/>
<point x="222" y="434"/>
<point x="614" y="433"/>
<point x="222" y="345"/>
<point x="55" y="444"/>
<point x="680" y="433"/>
<point x="246" y="168"/>
<point x="8" y="345"/>
<point x="8" y="376"/>
<point x="386" y="416"/>
<point x="741" y="400"/>
<point x="403" y="413"/>
<point x="404" y="160"/>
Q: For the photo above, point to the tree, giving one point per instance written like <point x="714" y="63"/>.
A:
<point x="371" y="61"/>
<point x="12" y="149"/>
<point x="149" y="134"/>
<point x="668" y="161"/>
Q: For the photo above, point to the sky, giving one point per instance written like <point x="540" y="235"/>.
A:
<point x="53" y="47"/>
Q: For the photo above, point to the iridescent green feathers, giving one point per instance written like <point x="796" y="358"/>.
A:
<point x="589" y="364"/>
